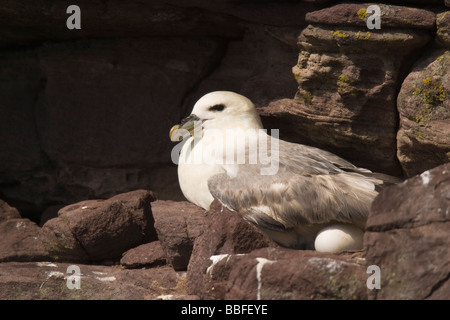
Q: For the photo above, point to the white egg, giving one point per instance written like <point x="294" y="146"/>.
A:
<point x="339" y="237"/>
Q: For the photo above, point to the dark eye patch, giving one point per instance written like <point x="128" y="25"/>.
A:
<point x="217" y="107"/>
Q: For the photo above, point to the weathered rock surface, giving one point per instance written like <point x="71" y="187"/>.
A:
<point x="8" y="212"/>
<point x="225" y="232"/>
<point x="85" y="113"/>
<point x="443" y="29"/>
<point x="24" y="24"/>
<point x="407" y="237"/>
<point x="102" y="229"/>
<point x="423" y="139"/>
<point x="22" y="240"/>
<point x="93" y="152"/>
<point x="66" y="133"/>
<point x="355" y="14"/>
<point x="348" y="77"/>
<point x="276" y="51"/>
<point x="115" y="64"/>
<point x="88" y="231"/>
<point x="146" y="255"/>
<point x="177" y="224"/>
<point x="279" y="274"/>
<point x="48" y="281"/>
<point x="39" y="21"/>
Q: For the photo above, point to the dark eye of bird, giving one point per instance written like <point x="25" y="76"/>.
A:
<point x="217" y="107"/>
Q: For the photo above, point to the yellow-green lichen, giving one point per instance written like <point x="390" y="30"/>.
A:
<point x="363" y="35"/>
<point x="419" y="134"/>
<point x="345" y="85"/>
<point x="424" y="115"/>
<point x="343" y="78"/>
<point x="307" y="96"/>
<point x="431" y="91"/>
<point x="440" y="17"/>
<point x="339" y="34"/>
<point x="362" y="13"/>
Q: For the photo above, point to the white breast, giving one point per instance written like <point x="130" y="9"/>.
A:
<point x="193" y="174"/>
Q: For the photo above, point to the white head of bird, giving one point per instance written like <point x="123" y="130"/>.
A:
<point x="218" y="111"/>
<point x="228" y="125"/>
<point x="224" y="110"/>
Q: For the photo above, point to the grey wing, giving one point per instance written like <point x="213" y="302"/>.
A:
<point x="381" y="180"/>
<point x="311" y="186"/>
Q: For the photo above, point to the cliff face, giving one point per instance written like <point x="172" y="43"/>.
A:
<point x="132" y="246"/>
<point x="85" y="114"/>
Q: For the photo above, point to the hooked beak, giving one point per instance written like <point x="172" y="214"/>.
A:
<point x="185" y="129"/>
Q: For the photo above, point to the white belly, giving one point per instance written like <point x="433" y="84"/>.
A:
<point x="193" y="175"/>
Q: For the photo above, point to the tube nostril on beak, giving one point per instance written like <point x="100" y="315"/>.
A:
<point x="172" y="131"/>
